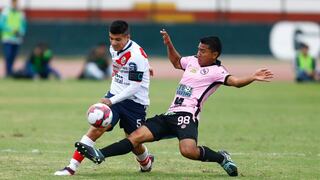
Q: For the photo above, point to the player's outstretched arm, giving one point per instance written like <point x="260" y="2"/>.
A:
<point x="260" y="75"/>
<point x="173" y="54"/>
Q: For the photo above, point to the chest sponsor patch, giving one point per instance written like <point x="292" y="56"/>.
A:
<point x="119" y="63"/>
<point x="185" y="91"/>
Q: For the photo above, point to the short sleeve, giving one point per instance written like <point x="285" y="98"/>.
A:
<point x="184" y="62"/>
<point x="222" y="75"/>
<point x="138" y="63"/>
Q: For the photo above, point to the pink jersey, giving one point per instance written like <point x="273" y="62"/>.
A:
<point x="196" y="85"/>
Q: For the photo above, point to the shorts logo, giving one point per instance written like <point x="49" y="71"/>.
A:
<point x="204" y="71"/>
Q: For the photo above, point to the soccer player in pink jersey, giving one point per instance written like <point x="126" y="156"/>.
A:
<point x="203" y="74"/>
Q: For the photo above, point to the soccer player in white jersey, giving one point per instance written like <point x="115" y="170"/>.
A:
<point x="128" y="96"/>
<point x="203" y="74"/>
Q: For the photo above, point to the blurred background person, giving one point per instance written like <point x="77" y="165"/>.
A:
<point x="13" y="28"/>
<point x="38" y="64"/>
<point x="97" y="65"/>
<point x="305" y="65"/>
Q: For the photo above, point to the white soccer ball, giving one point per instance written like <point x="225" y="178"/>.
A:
<point x="99" y="115"/>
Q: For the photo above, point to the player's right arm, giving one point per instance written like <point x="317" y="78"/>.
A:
<point x="260" y="75"/>
<point x="173" y="54"/>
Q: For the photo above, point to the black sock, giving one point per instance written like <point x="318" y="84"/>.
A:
<point x="122" y="147"/>
<point x="208" y="155"/>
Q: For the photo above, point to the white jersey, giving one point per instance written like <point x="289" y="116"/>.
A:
<point x="133" y="61"/>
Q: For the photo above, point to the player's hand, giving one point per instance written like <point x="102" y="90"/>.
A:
<point x="165" y="36"/>
<point x="263" y="75"/>
<point x="151" y="71"/>
<point x="106" y="101"/>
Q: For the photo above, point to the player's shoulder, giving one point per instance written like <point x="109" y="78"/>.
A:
<point x="192" y="58"/>
<point x="137" y="51"/>
<point x="220" y="68"/>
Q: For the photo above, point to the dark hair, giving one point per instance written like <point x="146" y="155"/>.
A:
<point x="42" y="45"/>
<point x="213" y="42"/>
<point x="119" y="27"/>
<point x="303" y="45"/>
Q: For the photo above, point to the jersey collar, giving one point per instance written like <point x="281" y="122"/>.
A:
<point x="126" y="47"/>
<point x="217" y="62"/>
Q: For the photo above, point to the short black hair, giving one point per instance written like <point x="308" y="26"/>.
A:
<point x="303" y="45"/>
<point x="213" y="42"/>
<point x="119" y="27"/>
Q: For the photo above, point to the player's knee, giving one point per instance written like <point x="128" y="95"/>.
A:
<point x="188" y="152"/>
<point x="136" y="138"/>
<point x="95" y="133"/>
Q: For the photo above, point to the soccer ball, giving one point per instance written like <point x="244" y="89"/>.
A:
<point x="99" y="115"/>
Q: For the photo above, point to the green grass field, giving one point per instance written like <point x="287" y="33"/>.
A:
<point x="271" y="129"/>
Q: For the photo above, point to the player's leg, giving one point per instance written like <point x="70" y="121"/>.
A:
<point x="132" y="116"/>
<point x="89" y="139"/>
<point x="153" y="130"/>
<point x="187" y="131"/>
<point x="189" y="149"/>
<point x="144" y="158"/>
<point x="124" y="146"/>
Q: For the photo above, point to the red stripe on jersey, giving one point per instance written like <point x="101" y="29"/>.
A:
<point x="143" y="53"/>
<point x="124" y="59"/>
<point x="117" y="65"/>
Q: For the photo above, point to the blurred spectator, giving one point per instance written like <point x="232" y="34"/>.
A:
<point x="97" y="65"/>
<point x="13" y="28"/>
<point x="38" y="64"/>
<point x="305" y="65"/>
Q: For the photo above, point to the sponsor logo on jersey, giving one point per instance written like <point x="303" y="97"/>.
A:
<point x="119" y="63"/>
<point x="118" y="79"/>
<point x="192" y="69"/>
<point x="185" y="91"/>
<point x="124" y="58"/>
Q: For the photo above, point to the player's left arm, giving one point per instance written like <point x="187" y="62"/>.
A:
<point x="129" y="91"/>
<point x="139" y="68"/>
<point x="260" y="75"/>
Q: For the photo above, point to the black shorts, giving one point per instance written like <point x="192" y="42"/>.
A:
<point x="177" y="124"/>
<point x="131" y="115"/>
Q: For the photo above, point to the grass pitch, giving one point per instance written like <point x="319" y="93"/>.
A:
<point x="271" y="130"/>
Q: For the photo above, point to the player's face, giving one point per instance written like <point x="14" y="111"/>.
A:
<point x="205" y="55"/>
<point x="14" y="4"/>
<point x="305" y="51"/>
<point x="118" y="41"/>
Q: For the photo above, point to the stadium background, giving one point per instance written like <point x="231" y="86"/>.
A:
<point x="72" y="28"/>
